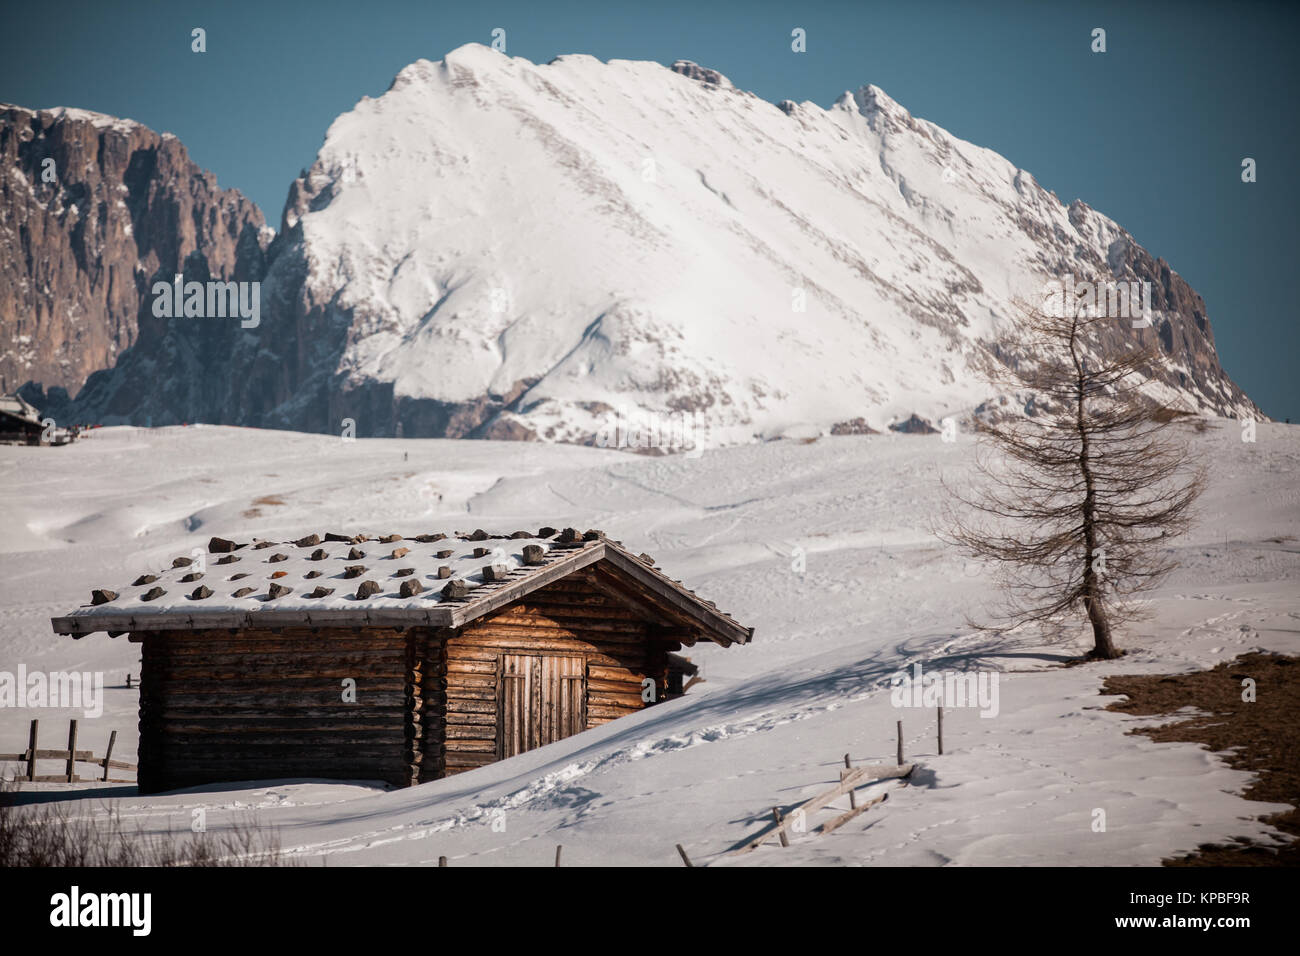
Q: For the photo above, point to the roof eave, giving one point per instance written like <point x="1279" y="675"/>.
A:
<point x="717" y="626"/>
<point x="81" y="625"/>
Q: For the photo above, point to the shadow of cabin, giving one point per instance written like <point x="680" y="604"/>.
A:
<point x="398" y="681"/>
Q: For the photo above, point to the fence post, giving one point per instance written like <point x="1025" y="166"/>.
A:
<point x="31" y="751"/>
<point x="940" y="730"/>
<point x="558" y="848"/>
<point x="112" y="739"/>
<point x="442" y="861"/>
<point x="780" y="830"/>
<point x="72" y="751"/>
<point x="853" y="797"/>
<point x="900" y="743"/>
<point x="685" y="859"/>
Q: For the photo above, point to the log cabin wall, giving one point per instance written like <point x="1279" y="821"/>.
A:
<point x="573" y="618"/>
<point x="256" y="704"/>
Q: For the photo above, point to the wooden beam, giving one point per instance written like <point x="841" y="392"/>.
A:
<point x="849" y="779"/>
<point x="844" y="818"/>
<point x="720" y="627"/>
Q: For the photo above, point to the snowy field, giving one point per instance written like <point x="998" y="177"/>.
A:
<point x="873" y="593"/>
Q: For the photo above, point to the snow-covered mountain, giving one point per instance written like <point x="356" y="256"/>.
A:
<point x="496" y="248"/>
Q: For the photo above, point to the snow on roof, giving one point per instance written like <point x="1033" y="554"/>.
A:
<point x="433" y="578"/>
<point x="19" y="407"/>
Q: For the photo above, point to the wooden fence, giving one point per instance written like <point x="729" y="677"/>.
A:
<point x="70" y="757"/>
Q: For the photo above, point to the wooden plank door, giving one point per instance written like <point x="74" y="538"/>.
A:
<point x="543" y="699"/>
<point x="564" y="697"/>
<point x="519" y="728"/>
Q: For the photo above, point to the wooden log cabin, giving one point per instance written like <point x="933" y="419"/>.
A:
<point x="391" y="658"/>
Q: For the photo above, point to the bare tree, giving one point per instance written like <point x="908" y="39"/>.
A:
<point x="1080" y="496"/>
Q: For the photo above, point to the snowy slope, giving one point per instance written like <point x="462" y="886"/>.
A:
<point x="581" y="236"/>
<point x="772" y="720"/>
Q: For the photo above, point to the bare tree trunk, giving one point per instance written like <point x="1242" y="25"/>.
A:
<point x="1102" y="647"/>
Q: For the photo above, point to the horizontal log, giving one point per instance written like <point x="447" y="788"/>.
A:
<point x="571" y="591"/>
<point x="879" y="771"/>
<point x="455" y="734"/>
<point x="222" y="643"/>
<point x="82" y="755"/>
<point x="327" y="714"/>
<point x="595" y="619"/>
<point x="460" y="666"/>
<point x="172" y="778"/>
<point x="343" y="727"/>
<point x="595" y="711"/>
<point x="390" y="657"/>
<point x="205" y="714"/>
<point x="832" y="825"/>
<point x="458" y="682"/>
<point x="289" y="632"/>
<point x="251" y="741"/>
<point x="297" y="754"/>
<point x="270" y="676"/>
<point x="451" y="769"/>
<point x="470" y="746"/>
<point x="607" y="673"/>
<point x="576" y="613"/>
<point x="546" y="638"/>
<point x="168" y="781"/>
<point x="463" y="652"/>
<point x="154" y="685"/>
<point x="325" y="744"/>
<point x="289" y="696"/>
<point x="468" y="758"/>
<point x="456" y="705"/>
<point x="632" y="701"/>
<point x="186" y="650"/>
<point x="632" y="685"/>
<point x="471" y="693"/>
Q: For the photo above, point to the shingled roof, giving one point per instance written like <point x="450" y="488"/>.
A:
<point x="440" y="580"/>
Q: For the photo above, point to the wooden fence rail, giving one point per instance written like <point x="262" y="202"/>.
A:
<point x="71" y="757"/>
<point x="850" y="779"/>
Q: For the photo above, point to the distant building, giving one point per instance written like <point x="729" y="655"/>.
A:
<point x="391" y="658"/>
<point x="20" y="422"/>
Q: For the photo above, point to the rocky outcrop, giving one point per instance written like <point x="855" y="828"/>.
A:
<point x="92" y="208"/>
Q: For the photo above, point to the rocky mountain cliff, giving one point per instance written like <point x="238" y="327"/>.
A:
<point x="495" y="248"/>
<point x="91" y="209"/>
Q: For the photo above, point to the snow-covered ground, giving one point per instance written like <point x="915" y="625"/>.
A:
<point x="822" y="546"/>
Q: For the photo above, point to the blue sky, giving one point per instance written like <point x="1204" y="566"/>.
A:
<point x="1152" y="132"/>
